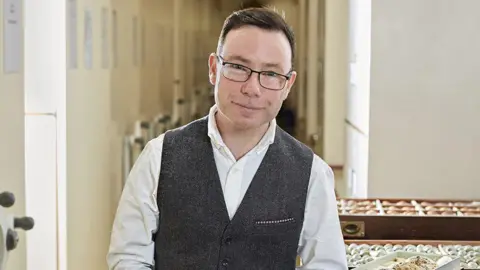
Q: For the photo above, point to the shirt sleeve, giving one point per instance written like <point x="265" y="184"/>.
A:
<point x="136" y="219"/>
<point x="321" y="243"/>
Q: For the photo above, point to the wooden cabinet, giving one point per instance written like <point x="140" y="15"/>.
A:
<point x="410" y="219"/>
<point x="372" y="227"/>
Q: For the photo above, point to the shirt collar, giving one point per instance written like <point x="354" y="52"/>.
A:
<point x="217" y="140"/>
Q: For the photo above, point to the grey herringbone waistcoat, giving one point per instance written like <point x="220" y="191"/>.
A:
<point x="195" y="231"/>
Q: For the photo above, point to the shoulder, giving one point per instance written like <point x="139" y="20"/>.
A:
<point x="190" y="130"/>
<point x="322" y="172"/>
<point x="292" y="145"/>
<point x="156" y="144"/>
<point x="152" y="152"/>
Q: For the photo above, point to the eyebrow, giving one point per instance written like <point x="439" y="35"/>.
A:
<point x="246" y="61"/>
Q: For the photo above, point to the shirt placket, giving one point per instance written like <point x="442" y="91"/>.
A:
<point x="233" y="186"/>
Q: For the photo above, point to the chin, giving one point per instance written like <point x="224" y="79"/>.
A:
<point x="242" y="122"/>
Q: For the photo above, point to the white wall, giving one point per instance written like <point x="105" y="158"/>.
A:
<point x="425" y="99"/>
<point x="91" y="138"/>
<point x="45" y="131"/>
<point x="358" y="99"/>
<point x="12" y="141"/>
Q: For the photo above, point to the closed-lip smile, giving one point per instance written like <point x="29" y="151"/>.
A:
<point x="247" y="106"/>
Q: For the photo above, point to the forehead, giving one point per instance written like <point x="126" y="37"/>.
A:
<point x="260" y="47"/>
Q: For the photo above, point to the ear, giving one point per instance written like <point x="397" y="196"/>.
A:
<point x="212" y="68"/>
<point x="290" y="82"/>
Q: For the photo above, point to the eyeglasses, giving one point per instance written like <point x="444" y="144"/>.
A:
<point x="240" y="73"/>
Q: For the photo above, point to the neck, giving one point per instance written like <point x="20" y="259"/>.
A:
<point x="239" y="140"/>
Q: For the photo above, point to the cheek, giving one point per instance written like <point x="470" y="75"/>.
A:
<point x="275" y="100"/>
<point x="225" y="91"/>
<point x="230" y="88"/>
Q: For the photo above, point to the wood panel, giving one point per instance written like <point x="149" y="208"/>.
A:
<point x="454" y="228"/>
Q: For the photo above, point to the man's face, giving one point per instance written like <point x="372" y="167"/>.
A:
<point x="251" y="104"/>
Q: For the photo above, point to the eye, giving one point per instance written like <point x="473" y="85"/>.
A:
<point x="235" y="66"/>
<point x="270" y="74"/>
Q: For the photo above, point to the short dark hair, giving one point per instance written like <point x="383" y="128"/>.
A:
<point x="265" y="18"/>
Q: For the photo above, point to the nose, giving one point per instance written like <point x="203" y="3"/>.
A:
<point x="252" y="87"/>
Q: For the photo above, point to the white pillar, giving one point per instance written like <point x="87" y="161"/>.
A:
<point x="45" y="130"/>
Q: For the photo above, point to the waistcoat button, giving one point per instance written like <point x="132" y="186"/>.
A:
<point x="228" y="240"/>
<point x="225" y="262"/>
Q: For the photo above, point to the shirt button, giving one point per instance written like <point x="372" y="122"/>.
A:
<point x="225" y="262"/>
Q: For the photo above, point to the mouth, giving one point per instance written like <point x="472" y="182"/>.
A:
<point x="249" y="107"/>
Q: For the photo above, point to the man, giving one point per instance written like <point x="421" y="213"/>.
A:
<point x="232" y="190"/>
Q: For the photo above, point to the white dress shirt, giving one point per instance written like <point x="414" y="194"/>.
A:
<point x="132" y="248"/>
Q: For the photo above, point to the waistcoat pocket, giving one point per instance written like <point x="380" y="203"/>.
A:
<point x="274" y="226"/>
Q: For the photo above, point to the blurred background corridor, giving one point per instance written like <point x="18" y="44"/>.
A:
<point x="387" y="93"/>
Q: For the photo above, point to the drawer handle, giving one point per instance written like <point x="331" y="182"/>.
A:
<point x="351" y="228"/>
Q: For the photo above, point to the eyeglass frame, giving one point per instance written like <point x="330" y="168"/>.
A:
<point x="287" y="77"/>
